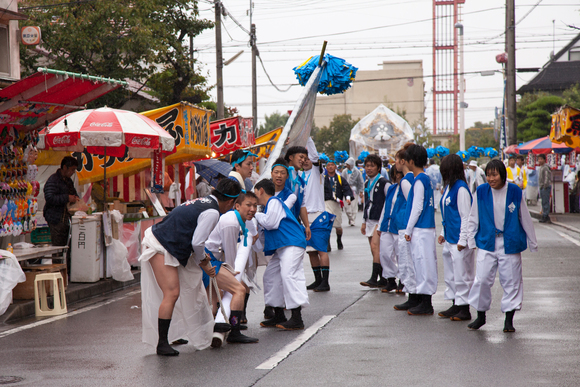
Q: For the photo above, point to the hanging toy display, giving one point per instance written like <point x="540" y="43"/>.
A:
<point x="18" y="185"/>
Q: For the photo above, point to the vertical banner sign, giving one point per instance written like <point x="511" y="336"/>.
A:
<point x="230" y="134"/>
<point x="531" y="160"/>
<point x="572" y="159"/>
<point x="157" y="172"/>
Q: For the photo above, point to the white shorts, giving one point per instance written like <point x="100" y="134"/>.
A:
<point x="370" y="228"/>
<point x="334" y="208"/>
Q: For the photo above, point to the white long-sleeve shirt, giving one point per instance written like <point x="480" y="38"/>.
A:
<point x="271" y="220"/>
<point x="405" y="187"/>
<point x="499" y="203"/>
<point x="290" y="200"/>
<point x="416" y="207"/>
<point x="223" y="240"/>
<point x="464" y="208"/>
<point x="314" y="190"/>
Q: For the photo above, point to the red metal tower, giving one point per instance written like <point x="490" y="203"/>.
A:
<point x="445" y="66"/>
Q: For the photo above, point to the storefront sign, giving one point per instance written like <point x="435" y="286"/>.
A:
<point x="30" y="36"/>
<point x="230" y="134"/>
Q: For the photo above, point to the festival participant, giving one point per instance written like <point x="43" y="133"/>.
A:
<point x="354" y="179"/>
<point x="476" y="177"/>
<point x="242" y="167"/>
<point x="388" y="229"/>
<point x="458" y="266"/>
<point x="336" y="191"/>
<point x="222" y="246"/>
<point x="420" y="231"/>
<point x="170" y="278"/>
<point x="375" y="192"/>
<point x="284" y="282"/>
<point x="501" y="227"/>
<point x="320" y="222"/>
<point x="513" y="172"/>
<point x="280" y="175"/>
<point x="523" y="176"/>
<point x="295" y="157"/>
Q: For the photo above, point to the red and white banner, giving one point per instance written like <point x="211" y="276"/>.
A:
<point x="230" y="134"/>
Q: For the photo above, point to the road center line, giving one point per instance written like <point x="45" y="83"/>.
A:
<point x="566" y="236"/>
<point x="62" y="316"/>
<point x="294" y="345"/>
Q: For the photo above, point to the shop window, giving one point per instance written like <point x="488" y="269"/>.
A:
<point x="5" y="50"/>
<point x="574" y="54"/>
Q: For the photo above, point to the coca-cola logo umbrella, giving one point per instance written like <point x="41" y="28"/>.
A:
<point x="114" y="129"/>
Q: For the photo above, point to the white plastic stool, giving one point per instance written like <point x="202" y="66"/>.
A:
<point x="40" y="302"/>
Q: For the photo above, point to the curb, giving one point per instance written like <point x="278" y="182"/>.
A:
<point x="537" y="215"/>
<point x="75" y="293"/>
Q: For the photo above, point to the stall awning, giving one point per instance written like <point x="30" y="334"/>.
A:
<point x="48" y="94"/>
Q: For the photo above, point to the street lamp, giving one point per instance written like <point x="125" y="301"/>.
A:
<point x="462" y="104"/>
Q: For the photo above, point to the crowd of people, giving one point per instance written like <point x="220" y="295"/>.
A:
<point x="217" y="241"/>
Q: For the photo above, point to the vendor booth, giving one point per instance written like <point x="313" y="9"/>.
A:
<point x="382" y="131"/>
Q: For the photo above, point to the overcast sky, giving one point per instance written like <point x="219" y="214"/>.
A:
<point x="370" y="32"/>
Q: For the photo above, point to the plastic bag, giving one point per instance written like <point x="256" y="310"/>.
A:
<point x="130" y="238"/>
<point x="117" y="261"/>
<point x="10" y="275"/>
<point x="79" y="205"/>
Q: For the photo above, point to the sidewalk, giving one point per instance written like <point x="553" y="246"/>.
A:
<point x="75" y="292"/>
<point x="568" y="221"/>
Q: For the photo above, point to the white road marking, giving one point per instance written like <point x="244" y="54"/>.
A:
<point x="566" y="236"/>
<point x="62" y="316"/>
<point x="293" y="346"/>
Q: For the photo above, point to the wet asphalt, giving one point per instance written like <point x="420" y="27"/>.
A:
<point x="365" y="343"/>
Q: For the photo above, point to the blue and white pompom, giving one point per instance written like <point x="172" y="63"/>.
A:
<point x="337" y="74"/>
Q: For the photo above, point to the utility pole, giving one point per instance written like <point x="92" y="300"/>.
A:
<point x="219" y="59"/>
<point x="254" y="78"/>
<point x="510" y="42"/>
<point x="462" y="104"/>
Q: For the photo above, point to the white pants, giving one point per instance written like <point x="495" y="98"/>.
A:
<point x="406" y="267"/>
<point x="351" y="210"/>
<point x="459" y="272"/>
<point x="284" y="281"/>
<point x="424" y="257"/>
<point x="389" y="250"/>
<point x="510" y="279"/>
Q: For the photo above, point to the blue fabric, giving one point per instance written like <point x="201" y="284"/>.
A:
<point x="427" y="217"/>
<point x="243" y="227"/>
<point x="175" y="231"/>
<point x="215" y="263"/>
<point x="515" y="238"/>
<point x="337" y="75"/>
<point x="288" y="233"/>
<point x="387" y="218"/>
<point x="296" y="186"/>
<point x="400" y="209"/>
<point x="320" y="231"/>
<point x="451" y="218"/>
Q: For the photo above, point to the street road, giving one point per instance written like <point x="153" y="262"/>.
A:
<point x="362" y="340"/>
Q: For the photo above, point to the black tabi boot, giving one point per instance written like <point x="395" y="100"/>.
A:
<point x="277" y="318"/>
<point x="295" y="322"/>
<point x="317" y="278"/>
<point x="478" y="322"/>
<point x="339" y="241"/>
<point x="424" y="308"/>
<point x="235" y="335"/>
<point x="244" y="319"/>
<point x="463" y="315"/>
<point x="411" y="302"/>
<point x="222" y="327"/>
<point x="400" y="288"/>
<point x="450" y="312"/>
<point x="163" y="347"/>
<point x="324" y="286"/>
<point x="372" y="282"/>
<point x="391" y="285"/>
<point x="268" y="312"/>
<point x="509" y="322"/>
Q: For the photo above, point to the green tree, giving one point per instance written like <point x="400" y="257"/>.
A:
<point x="534" y="115"/>
<point x="142" y="41"/>
<point x="571" y="96"/>
<point x="334" y="137"/>
<point x="272" y="121"/>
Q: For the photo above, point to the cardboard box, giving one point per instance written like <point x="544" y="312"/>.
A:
<point x="25" y="290"/>
<point x="121" y="207"/>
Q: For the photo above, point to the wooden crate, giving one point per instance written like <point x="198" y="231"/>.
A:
<point x="25" y="290"/>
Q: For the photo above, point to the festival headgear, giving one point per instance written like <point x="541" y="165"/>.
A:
<point x="243" y="227"/>
<point x="331" y="162"/>
<point x="279" y="165"/>
<point x="473" y="163"/>
<point x="242" y="158"/>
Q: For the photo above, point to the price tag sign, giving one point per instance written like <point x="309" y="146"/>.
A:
<point x="30" y="35"/>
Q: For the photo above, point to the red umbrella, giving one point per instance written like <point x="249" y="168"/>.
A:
<point x="106" y="131"/>
<point x="510" y="150"/>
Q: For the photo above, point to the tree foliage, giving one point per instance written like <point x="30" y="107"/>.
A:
<point x="273" y="121"/>
<point x="334" y="137"/>
<point x="122" y="39"/>
<point x="571" y="96"/>
<point x="534" y="115"/>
